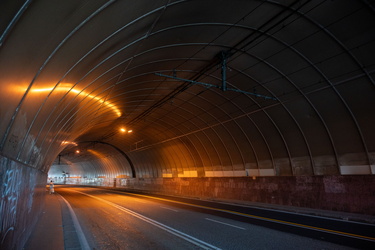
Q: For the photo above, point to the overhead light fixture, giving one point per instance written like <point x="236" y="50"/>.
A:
<point x="66" y="87"/>
<point x="68" y="142"/>
<point x="124" y="130"/>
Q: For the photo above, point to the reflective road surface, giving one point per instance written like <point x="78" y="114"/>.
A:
<point x="112" y="219"/>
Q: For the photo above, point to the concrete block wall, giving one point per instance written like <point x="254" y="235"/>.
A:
<point x="353" y="194"/>
<point x="22" y="191"/>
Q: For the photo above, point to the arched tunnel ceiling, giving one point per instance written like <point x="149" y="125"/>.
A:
<point x="299" y="79"/>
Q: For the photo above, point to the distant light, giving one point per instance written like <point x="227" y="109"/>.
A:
<point x="77" y="151"/>
<point x="68" y="142"/>
<point x="123" y="130"/>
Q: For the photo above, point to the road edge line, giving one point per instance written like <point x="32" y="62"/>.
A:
<point x="80" y="234"/>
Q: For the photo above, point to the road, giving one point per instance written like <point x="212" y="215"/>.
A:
<point x="112" y="219"/>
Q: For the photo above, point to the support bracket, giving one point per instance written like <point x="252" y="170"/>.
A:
<point x="224" y="55"/>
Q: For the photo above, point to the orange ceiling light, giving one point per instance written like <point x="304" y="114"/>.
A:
<point x="123" y="130"/>
<point x="68" y="88"/>
<point x="69" y="142"/>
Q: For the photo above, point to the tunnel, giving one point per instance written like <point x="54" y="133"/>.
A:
<point x="264" y="101"/>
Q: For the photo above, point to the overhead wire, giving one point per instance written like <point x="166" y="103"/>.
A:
<point x="185" y="86"/>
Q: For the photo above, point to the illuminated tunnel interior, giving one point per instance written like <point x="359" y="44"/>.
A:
<point x="215" y="99"/>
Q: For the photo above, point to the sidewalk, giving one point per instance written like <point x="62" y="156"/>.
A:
<point x="56" y="227"/>
<point x="48" y="232"/>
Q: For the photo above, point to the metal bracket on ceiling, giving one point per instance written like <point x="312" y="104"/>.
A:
<point x="224" y="55"/>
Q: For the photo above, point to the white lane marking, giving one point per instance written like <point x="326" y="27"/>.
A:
<point x="226" y="224"/>
<point x="174" y="210"/>
<point x="80" y="234"/>
<point x="171" y="230"/>
<point x="355" y="236"/>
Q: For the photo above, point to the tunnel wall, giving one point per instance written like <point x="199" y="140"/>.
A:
<point x="354" y="194"/>
<point x="22" y="200"/>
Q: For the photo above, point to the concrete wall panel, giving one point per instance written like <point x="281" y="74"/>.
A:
<point x="22" y="193"/>
<point x="354" y="194"/>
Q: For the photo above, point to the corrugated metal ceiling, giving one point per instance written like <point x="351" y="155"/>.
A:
<point x="73" y="73"/>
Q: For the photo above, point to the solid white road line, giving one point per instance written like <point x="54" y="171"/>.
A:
<point x="189" y="238"/>
<point x="80" y="234"/>
<point x="226" y="224"/>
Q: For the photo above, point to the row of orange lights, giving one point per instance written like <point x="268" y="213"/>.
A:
<point x="123" y="130"/>
<point x="67" y="87"/>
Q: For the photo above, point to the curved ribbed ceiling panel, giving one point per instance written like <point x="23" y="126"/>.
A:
<point x="271" y="87"/>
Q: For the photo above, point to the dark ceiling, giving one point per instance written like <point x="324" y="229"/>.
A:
<point x="208" y="88"/>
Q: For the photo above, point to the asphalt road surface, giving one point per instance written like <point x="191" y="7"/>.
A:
<point x="112" y="219"/>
